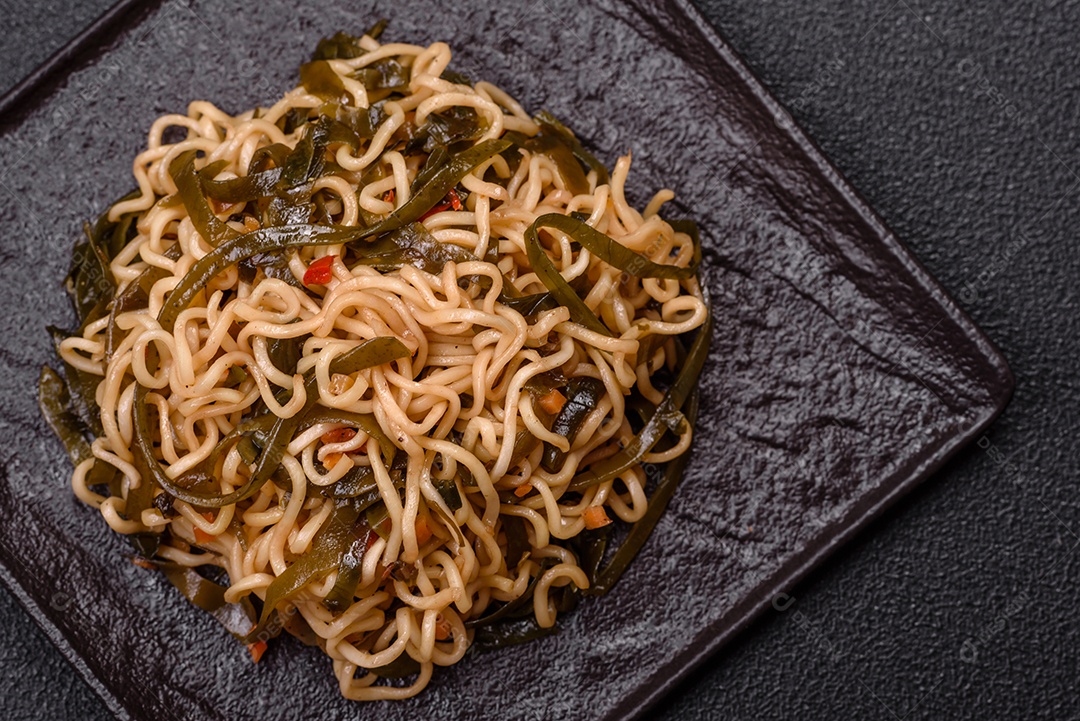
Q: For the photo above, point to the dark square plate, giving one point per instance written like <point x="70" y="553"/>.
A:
<point x="841" y="373"/>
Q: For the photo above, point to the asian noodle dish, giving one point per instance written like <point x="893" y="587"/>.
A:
<point x="389" y="365"/>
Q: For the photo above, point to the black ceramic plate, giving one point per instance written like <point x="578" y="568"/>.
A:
<point x="841" y="374"/>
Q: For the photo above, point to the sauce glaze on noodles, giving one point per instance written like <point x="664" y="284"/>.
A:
<point x="454" y="408"/>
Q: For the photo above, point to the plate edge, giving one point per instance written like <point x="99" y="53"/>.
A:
<point x="126" y="13"/>
<point x="1000" y="394"/>
<point x="15" y="104"/>
<point x="52" y="632"/>
<point x="799" y="569"/>
<point x="850" y="194"/>
<point x="93" y="39"/>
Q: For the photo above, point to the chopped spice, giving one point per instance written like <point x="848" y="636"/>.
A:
<point x="320" y="272"/>
<point x="553" y="401"/>
<point x="201" y="536"/>
<point x="595" y="517"/>
<point x="443" y="630"/>
<point x="423" y="531"/>
<point x="338" y="435"/>
<point x="452" y="201"/>
<point x="256" y="650"/>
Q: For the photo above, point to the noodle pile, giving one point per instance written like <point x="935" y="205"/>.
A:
<point x="329" y="359"/>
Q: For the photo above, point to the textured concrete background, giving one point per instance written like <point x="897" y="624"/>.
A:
<point x="958" y="124"/>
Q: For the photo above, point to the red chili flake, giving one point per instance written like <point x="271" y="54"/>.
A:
<point x="435" y="209"/>
<point x="390" y="196"/>
<point x="443" y="629"/>
<point x="201" y="536"/>
<point x="257" y="650"/>
<point x="338" y="435"/>
<point x="370" y="541"/>
<point x="320" y="272"/>
<point x="453" y="200"/>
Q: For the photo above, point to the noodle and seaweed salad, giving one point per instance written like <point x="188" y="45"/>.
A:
<point x="389" y="365"/>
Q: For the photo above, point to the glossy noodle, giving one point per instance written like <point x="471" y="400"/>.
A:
<point x="381" y="365"/>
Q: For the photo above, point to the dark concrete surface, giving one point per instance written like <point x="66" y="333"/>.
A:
<point x="33" y="31"/>
<point x="957" y="121"/>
